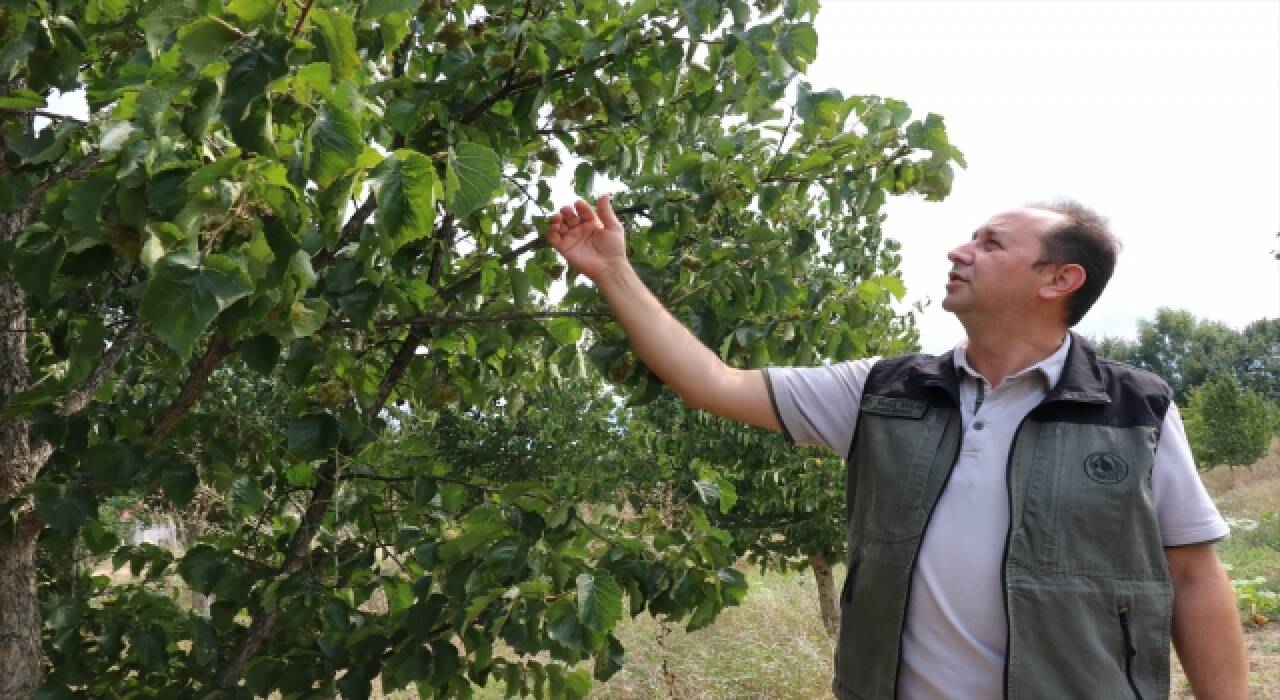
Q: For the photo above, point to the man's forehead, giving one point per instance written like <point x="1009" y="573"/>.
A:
<point x="1023" y="220"/>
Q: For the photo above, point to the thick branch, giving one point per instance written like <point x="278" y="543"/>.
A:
<point x="80" y="397"/>
<point x="201" y="369"/>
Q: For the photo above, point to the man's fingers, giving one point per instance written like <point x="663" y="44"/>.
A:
<point x="569" y="216"/>
<point x="606" y="212"/>
<point x="585" y="212"/>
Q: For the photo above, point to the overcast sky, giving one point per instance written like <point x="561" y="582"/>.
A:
<point x="1163" y="116"/>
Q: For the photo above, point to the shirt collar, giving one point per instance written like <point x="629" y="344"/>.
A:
<point x="1050" y="367"/>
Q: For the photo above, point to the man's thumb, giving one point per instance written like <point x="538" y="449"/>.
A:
<point x="606" y="212"/>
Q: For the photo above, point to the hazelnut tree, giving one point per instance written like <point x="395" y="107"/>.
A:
<point x="289" y="232"/>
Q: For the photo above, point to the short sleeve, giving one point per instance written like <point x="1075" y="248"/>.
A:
<point x="1186" y="513"/>
<point x="819" y="405"/>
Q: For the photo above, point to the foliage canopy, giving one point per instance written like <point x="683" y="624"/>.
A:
<point x="296" y="242"/>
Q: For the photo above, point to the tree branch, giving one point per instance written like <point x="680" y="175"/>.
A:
<point x="297" y="27"/>
<point x="511" y="87"/>
<point x="201" y="368"/>
<point x="349" y="231"/>
<point x="452" y="291"/>
<point x="78" y="399"/>
<point x="36" y="196"/>
<point x="263" y="625"/>
<point x="454" y="319"/>
<point x="43" y="113"/>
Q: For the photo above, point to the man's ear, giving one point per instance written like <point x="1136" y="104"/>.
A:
<point x="1065" y="280"/>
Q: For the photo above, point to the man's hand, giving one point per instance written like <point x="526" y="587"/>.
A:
<point x="595" y="245"/>
<point x="591" y="243"/>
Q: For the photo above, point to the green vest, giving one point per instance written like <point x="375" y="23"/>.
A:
<point x="1087" y="595"/>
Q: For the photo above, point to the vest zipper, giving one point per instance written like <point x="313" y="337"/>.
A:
<point x="902" y="630"/>
<point x="1129" y="652"/>
<point x="1004" y="560"/>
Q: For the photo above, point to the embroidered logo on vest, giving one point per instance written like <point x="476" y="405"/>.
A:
<point x="1105" y="468"/>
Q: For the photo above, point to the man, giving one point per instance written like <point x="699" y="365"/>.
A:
<point x="1024" y="518"/>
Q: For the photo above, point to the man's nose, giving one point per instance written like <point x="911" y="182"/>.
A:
<point x="961" y="254"/>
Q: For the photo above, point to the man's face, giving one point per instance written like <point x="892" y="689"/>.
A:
<point x="994" y="270"/>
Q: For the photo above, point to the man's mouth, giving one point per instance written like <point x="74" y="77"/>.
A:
<point x="956" y="277"/>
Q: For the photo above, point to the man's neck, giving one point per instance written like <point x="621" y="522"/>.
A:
<point x="996" y="355"/>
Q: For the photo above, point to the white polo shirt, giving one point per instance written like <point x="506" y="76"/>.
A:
<point x="954" y="640"/>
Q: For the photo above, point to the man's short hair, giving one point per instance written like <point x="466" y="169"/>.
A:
<point x="1084" y="239"/>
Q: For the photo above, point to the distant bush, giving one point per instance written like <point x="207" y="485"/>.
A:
<point x="1228" y="425"/>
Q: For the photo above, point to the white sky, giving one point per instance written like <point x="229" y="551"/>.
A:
<point x="1163" y="116"/>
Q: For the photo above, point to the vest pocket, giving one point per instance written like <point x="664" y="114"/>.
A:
<point x="896" y="462"/>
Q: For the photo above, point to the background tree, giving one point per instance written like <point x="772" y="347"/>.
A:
<point x="289" y="232"/>
<point x="1183" y="350"/>
<point x="1228" y="425"/>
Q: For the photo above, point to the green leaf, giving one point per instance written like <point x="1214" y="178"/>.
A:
<point x="378" y="8"/>
<point x="566" y="330"/>
<point x="799" y="45"/>
<point x="111" y="463"/>
<point x="252" y="12"/>
<point x="412" y="663"/>
<point x="478" y="172"/>
<point x="23" y="99"/>
<point x="64" y="507"/>
<point x="583" y="176"/>
<point x="339" y="37"/>
<point x="85" y="203"/>
<point x="105" y="11"/>
<point x="147" y="647"/>
<point x="201" y="567"/>
<point x="312" y="436"/>
<point x="480" y="527"/>
<point x="335" y="142"/>
<point x="577" y="683"/>
<point x="178" y="480"/>
<point x="599" y="601"/>
<point x="305" y="317"/>
<point x="406" y="195"/>
<point x="186" y="291"/>
<point x="204" y="40"/>
<point x="261" y="353"/>
<point x="563" y="625"/>
<point x="35" y="259"/>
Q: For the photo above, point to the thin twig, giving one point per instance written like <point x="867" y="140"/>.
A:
<point x="297" y="27"/>
<point x="80" y="397"/>
<point x="43" y="113"/>
<point x="455" y="319"/>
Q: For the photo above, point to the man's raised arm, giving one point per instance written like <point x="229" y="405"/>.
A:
<point x="595" y="245"/>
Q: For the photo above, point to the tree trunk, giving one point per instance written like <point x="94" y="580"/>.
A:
<point x="19" y="618"/>
<point x="19" y="462"/>
<point x="827" y="603"/>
